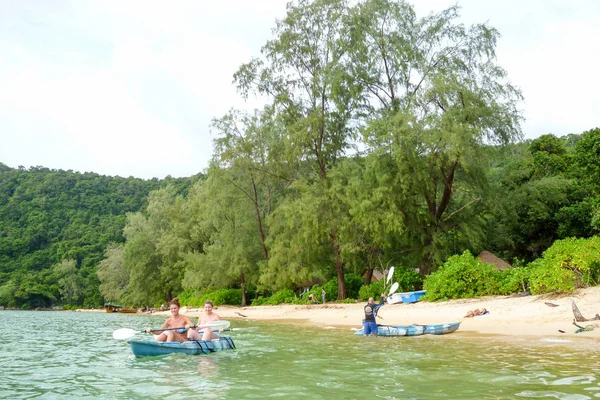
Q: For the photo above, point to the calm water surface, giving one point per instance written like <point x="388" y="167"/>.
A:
<point x="73" y="355"/>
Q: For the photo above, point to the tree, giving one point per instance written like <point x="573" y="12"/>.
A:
<point x="69" y="282"/>
<point x="113" y="276"/>
<point x="433" y="96"/>
<point x="248" y="160"/>
<point x="302" y="74"/>
<point x="232" y="251"/>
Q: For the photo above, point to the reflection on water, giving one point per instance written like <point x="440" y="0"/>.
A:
<point x="74" y="356"/>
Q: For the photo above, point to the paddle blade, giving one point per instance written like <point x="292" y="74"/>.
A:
<point x="390" y="274"/>
<point x="393" y="289"/>
<point x="124" y="334"/>
<point x="216" y="325"/>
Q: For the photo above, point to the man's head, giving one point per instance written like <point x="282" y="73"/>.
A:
<point x="371" y="300"/>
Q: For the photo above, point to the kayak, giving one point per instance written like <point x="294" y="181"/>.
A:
<point x="441" y="329"/>
<point x="414" y="330"/>
<point x="388" y="330"/>
<point x="144" y="348"/>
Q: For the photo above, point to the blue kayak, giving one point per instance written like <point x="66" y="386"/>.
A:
<point x="151" y="348"/>
<point x="414" y="330"/>
<point x="388" y="330"/>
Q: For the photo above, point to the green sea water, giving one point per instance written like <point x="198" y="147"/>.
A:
<point x="72" y="355"/>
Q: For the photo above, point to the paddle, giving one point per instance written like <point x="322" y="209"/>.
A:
<point x="126" y="333"/>
<point x="393" y="289"/>
<point x="390" y="274"/>
<point x="389" y="277"/>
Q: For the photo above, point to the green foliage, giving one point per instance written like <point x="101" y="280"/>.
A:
<point x="353" y="285"/>
<point x="112" y="274"/>
<point x="47" y="216"/>
<point x="568" y="264"/>
<point x="547" y="278"/>
<point x="194" y="298"/>
<point x="69" y="282"/>
<point x="331" y="288"/>
<point x="283" y="204"/>
<point x="462" y="276"/>
<point x="373" y="290"/>
<point x="284" y="296"/>
<point x="515" y="280"/>
<point x="408" y="280"/>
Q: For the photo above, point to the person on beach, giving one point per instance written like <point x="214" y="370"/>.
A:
<point x="176" y="320"/>
<point x="207" y="333"/>
<point x="312" y="299"/>
<point x="323" y="293"/>
<point x="369" y="323"/>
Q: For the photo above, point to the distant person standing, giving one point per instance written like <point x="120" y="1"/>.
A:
<point x="369" y="323"/>
<point x="323" y="295"/>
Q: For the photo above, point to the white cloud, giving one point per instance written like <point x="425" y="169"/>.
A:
<point x="129" y="88"/>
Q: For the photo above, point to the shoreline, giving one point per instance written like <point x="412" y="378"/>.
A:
<point x="508" y="316"/>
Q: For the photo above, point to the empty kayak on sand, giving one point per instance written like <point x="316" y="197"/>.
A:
<point x="414" y="330"/>
<point x="151" y="348"/>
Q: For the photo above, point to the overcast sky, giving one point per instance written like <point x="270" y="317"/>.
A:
<point x="129" y="88"/>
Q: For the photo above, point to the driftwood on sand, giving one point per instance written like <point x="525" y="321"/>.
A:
<point x="578" y="316"/>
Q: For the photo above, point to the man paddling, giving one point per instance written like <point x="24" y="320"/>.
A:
<point x="369" y="323"/>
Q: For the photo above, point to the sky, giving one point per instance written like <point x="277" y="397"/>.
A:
<point x="129" y="88"/>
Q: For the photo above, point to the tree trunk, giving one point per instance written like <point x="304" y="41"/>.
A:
<point x="243" y="282"/>
<point x="339" y="266"/>
<point x="261" y="232"/>
<point x="368" y="276"/>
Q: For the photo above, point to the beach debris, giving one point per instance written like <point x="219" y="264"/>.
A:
<point x="551" y="304"/>
<point x="587" y="328"/>
<point x="578" y="316"/>
<point x="561" y="331"/>
<point x="241" y="315"/>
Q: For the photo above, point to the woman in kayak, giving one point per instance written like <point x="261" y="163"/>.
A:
<point x="176" y="320"/>
<point x="207" y="333"/>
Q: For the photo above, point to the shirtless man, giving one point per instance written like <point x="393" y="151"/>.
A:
<point x="209" y="316"/>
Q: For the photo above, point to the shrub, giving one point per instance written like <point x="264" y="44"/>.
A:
<point x="373" y="290"/>
<point x="353" y="285"/>
<point x="462" y="276"/>
<point x="515" y="280"/>
<point x="408" y="280"/>
<point x="284" y="296"/>
<point x="547" y="278"/>
<point x="194" y="298"/>
<point x="331" y="288"/>
<point x="580" y="256"/>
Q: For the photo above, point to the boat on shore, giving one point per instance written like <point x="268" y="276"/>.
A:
<point x="414" y="330"/>
<point x="193" y="347"/>
<point x="127" y="310"/>
<point x="111" y="308"/>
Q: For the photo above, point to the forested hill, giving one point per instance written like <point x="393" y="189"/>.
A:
<point x="49" y="216"/>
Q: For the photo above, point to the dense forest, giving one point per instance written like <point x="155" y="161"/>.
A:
<point x="388" y="140"/>
<point x="55" y="227"/>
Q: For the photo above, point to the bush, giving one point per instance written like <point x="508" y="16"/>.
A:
<point x="462" y="276"/>
<point x="580" y="256"/>
<point x="194" y="298"/>
<point x="547" y="278"/>
<point x="408" y="280"/>
<point x="515" y="280"/>
<point x="373" y="290"/>
<point x="331" y="288"/>
<point x="284" y="296"/>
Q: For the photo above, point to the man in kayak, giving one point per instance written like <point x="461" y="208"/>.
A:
<point x="209" y="316"/>
<point x="369" y="323"/>
<point x="174" y="321"/>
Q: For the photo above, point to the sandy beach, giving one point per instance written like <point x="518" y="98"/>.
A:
<point x="541" y="316"/>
